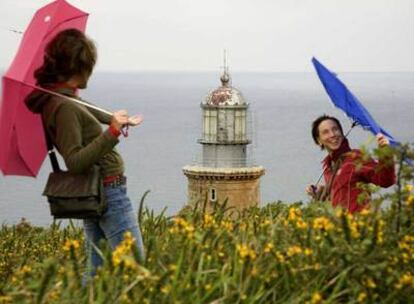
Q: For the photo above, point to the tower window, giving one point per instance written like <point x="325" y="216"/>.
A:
<point x="213" y="195"/>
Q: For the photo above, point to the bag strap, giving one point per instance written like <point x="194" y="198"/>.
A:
<point x="327" y="190"/>
<point x="50" y="149"/>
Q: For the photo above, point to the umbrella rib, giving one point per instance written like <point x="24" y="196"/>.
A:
<point x="65" y="21"/>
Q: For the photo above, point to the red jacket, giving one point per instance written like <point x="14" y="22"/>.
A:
<point x="352" y="170"/>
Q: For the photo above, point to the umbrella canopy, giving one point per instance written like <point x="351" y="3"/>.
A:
<point x="345" y="100"/>
<point x="23" y="146"/>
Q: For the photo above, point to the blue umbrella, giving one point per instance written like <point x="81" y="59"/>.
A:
<point x="345" y="100"/>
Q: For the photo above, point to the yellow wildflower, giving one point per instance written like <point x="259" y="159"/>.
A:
<point x="407" y="279"/>
<point x="381" y="225"/>
<point x="122" y="252"/>
<point x="243" y="226"/>
<point x="26" y="269"/>
<point x="370" y="283"/>
<point x="182" y="226"/>
<point x="339" y="212"/>
<point x="125" y="299"/>
<point x="294" y="213"/>
<point x="408" y="187"/>
<point x="280" y="257"/>
<point x="116" y="260"/>
<point x="294" y="250"/>
<point x="301" y="224"/>
<point x="353" y="226"/>
<point x="410" y="200"/>
<point x="254" y="271"/>
<point x="268" y="247"/>
<point x="166" y="289"/>
<point x="365" y="212"/>
<point x="265" y="223"/>
<point x="380" y="237"/>
<point x="71" y="244"/>
<point x="322" y="223"/>
<point x="408" y="238"/>
<point x="209" y="221"/>
<point x="362" y="297"/>
<point x="6" y="299"/>
<point x="308" y="251"/>
<point x="227" y="225"/>
<point x="316" y="298"/>
<point x="245" y="252"/>
<point x="406" y="257"/>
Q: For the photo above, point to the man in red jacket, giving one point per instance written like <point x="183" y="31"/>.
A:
<point x="344" y="168"/>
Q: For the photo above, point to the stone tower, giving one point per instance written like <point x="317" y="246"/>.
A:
<point x="224" y="171"/>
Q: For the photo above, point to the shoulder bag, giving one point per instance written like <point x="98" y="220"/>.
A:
<point x="73" y="195"/>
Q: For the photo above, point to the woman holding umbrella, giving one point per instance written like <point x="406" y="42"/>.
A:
<point x="344" y="168"/>
<point x="76" y="132"/>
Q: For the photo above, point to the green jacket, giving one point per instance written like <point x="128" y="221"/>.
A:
<point x="77" y="133"/>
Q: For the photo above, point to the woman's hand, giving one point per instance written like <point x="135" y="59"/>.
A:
<point x="310" y="190"/>
<point x="382" y="140"/>
<point x="313" y="190"/>
<point x="119" y="119"/>
<point x="135" y="120"/>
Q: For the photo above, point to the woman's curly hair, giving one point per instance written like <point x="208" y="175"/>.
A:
<point x="70" y="53"/>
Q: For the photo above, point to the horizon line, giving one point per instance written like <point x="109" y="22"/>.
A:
<point x="3" y="70"/>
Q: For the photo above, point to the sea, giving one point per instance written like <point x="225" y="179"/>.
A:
<point x="282" y="107"/>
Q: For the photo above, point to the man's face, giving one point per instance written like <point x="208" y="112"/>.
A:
<point x="330" y="135"/>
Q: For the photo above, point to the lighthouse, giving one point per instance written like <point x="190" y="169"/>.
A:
<point x="224" y="172"/>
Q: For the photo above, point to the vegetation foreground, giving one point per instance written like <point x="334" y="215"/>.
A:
<point x="279" y="253"/>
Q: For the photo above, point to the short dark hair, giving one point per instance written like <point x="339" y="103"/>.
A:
<point x="68" y="54"/>
<point x="318" y="121"/>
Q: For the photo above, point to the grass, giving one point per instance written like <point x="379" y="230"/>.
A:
<point x="280" y="253"/>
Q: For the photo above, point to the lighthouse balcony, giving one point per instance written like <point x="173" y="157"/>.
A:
<point x="224" y="142"/>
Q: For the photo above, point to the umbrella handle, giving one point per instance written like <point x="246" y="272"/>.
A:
<point x="124" y="130"/>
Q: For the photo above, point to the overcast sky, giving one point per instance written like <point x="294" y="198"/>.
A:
<point x="260" y="35"/>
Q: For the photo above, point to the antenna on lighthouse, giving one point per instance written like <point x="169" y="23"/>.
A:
<point x="225" y="60"/>
<point x="225" y="78"/>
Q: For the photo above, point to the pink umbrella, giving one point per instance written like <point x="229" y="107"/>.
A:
<point x="23" y="147"/>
